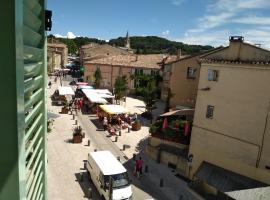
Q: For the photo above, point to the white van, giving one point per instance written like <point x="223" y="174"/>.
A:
<point x="109" y="176"/>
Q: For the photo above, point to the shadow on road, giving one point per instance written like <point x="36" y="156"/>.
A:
<point x="86" y="185"/>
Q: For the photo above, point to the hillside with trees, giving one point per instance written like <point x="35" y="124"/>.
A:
<point x="141" y="45"/>
<point x="155" y="45"/>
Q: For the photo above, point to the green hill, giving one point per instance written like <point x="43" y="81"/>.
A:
<point x="141" y="45"/>
<point x="154" y="44"/>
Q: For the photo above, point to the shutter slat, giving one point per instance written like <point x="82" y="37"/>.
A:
<point x="33" y="184"/>
<point x="33" y="127"/>
<point x="33" y="114"/>
<point x="36" y="148"/>
<point x="33" y="141"/>
<point x="32" y="54"/>
<point x="30" y="37"/>
<point x="32" y="69"/>
<point x="38" y="188"/>
<point x="33" y="99"/>
<point x="31" y="20"/>
<point x="31" y="175"/>
<point x="30" y="85"/>
<point x="34" y="6"/>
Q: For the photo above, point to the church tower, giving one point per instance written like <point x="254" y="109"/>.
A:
<point x="127" y="41"/>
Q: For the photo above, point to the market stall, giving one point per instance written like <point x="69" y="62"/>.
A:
<point x="65" y="90"/>
<point x="91" y="100"/>
<point x="79" y="92"/>
<point x="81" y="83"/>
<point x="118" y="117"/>
<point x="61" y="96"/>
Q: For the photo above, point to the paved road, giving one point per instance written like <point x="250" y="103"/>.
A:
<point x="141" y="188"/>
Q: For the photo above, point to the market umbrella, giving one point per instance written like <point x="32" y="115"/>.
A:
<point x="187" y="128"/>
<point x="165" y="123"/>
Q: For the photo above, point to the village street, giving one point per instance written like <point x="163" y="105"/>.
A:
<point x="66" y="160"/>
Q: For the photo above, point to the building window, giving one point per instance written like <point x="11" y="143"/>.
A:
<point x="212" y="75"/>
<point x="191" y="73"/>
<point x="210" y="112"/>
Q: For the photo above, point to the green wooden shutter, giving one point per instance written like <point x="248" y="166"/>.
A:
<point x="34" y="98"/>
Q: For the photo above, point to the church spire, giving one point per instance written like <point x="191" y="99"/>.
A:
<point x="127" y="41"/>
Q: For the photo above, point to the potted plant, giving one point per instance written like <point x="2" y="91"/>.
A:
<point x="77" y="134"/>
<point x="65" y="108"/>
<point x="136" y="125"/>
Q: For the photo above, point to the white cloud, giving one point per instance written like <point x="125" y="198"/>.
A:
<point x="208" y="30"/>
<point x="177" y="2"/>
<point x="69" y="35"/>
<point x="231" y="11"/>
<point x="59" y="36"/>
<point x="165" y="33"/>
<point x="215" y="39"/>
<point x="253" y="20"/>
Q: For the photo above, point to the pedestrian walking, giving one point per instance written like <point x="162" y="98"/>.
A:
<point x="105" y="123"/>
<point x="140" y="165"/>
<point x="50" y="84"/>
<point x="80" y="104"/>
<point x="137" y="169"/>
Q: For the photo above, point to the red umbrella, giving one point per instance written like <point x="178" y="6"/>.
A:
<point x="165" y="123"/>
<point x="187" y="128"/>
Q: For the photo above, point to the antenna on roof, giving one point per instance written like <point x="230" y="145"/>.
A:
<point x="258" y="45"/>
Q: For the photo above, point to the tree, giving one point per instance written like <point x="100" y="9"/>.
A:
<point x="120" y="87"/>
<point x="98" y="78"/>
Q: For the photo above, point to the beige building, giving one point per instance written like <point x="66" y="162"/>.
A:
<point x="231" y="129"/>
<point x="114" y="66"/>
<point x="181" y="77"/>
<point x="57" y="54"/>
<point x="95" y="51"/>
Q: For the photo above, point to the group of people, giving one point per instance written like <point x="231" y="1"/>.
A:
<point x="117" y="119"/>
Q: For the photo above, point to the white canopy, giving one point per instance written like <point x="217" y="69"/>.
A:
<point x="65" y="90"/>
<point x="103" y="91"/>
<point x="114" y="109"/>
<point x="85" y="87"/>
<point x="93" y="97"/>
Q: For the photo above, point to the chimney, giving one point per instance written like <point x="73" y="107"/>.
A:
<point x="178" y="53"/>
<point x="235" y="46"/>
<point x="236" y="39"/>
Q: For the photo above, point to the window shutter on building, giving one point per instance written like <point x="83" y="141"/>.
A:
<point x="34" y="97"/>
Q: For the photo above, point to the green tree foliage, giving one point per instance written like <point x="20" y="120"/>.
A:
<point x="146" y="87"/>
<point x="98" y="78"/>
<point x="142" y="45"/>
<point x="74" y="44"/>
<point x="154" y="45"/>
<point x="120" y="87"/>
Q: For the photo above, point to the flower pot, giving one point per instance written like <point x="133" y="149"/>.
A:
<point x="77" y="138"/>
<point x="64" y="110"/>
<point x="136" y="126"/>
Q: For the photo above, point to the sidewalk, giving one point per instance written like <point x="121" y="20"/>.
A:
<point x="65" y="159"/>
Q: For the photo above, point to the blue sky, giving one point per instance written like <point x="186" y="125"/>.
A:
<point x="189" y="21"/>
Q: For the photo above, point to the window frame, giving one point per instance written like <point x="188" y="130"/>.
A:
<point x="210" y="112"/>
<point x="189" y="76"/>
<point x="213" y="76"/>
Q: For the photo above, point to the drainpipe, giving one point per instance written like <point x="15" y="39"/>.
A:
<point x="261" y="146"/>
